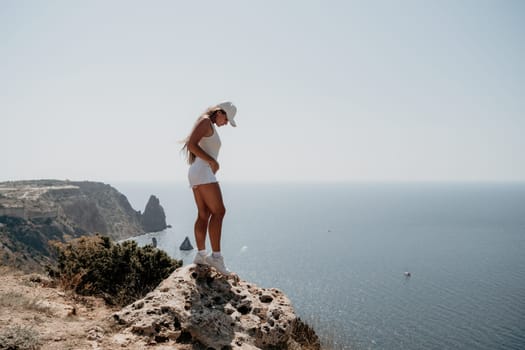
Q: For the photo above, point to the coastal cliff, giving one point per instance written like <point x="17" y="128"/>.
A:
<point x="86" y="207"/>
<point x="34" y="212"/>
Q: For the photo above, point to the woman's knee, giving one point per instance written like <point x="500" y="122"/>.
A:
<point x="219" y="211"/>
<point x="203" y="215"/>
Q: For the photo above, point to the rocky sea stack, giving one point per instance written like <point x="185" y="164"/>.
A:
<point x="186" y="244"/>
<point x="198" y="306"/>
<point x="154" y="218"/>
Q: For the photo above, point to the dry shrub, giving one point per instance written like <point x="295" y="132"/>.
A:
<point x="19" y="338"/>
<point x="12" y="299"/>
<point x="37" y="305"/>
<point x="35" y="278"/>
<point x="119" y="272"/>
<point x="17" y="300"/>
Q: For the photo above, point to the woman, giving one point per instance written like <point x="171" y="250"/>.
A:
<point x="202" y="149"/>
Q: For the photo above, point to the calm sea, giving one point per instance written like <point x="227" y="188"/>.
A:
<point x="340" y="252"/>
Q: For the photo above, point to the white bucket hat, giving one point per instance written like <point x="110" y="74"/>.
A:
<point x="230" y="110"/>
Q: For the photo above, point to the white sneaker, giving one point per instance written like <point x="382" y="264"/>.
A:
<point x="218" y="263"/>
<point x="200" y="259"/>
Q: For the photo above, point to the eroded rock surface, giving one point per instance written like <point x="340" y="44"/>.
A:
<point x="199" y="306"/>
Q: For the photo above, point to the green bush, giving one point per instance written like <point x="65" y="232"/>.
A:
<point x="119" y="272"/>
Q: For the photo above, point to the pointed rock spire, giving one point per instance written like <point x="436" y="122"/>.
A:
<point x="153" y="219"/>
<point x="186" y="245"/>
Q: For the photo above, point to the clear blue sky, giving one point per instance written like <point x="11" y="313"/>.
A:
<point x="326" y="90"/>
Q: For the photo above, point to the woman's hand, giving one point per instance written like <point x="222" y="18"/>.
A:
<point x="214" y="166"/>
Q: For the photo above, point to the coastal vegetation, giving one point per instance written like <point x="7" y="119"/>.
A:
<point x="119" y="272"/>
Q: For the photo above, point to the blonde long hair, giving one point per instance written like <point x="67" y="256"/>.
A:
<point x="210" y="113"/>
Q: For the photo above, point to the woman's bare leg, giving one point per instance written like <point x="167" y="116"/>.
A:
<point x="210" y="195"/>
<point x="201" y="224"/>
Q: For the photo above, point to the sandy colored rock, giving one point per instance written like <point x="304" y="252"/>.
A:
<point x="199" y="306"/>
<point x="29" y="302"/>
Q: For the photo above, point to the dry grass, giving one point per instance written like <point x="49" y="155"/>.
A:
<point x="50" y="319"/>
<point x="17" y="300"/>
<point x="20" y="338"/>
<point x="38" y="279"/>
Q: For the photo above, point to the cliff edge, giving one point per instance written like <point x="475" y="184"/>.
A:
<point x="198" y="306"/>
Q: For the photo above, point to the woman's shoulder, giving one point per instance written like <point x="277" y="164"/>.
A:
<point x="203" y="126"/>
<point x="204" y="119"/>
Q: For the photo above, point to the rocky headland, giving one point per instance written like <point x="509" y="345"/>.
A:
<point x="34" y="212"/>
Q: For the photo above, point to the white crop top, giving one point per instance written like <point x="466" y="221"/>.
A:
<point x="211" y="144"/>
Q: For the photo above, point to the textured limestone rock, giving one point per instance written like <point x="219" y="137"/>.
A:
<point x="186" y="245"/>
<point x="197" y="305"/>
<point x="154" y="218"/>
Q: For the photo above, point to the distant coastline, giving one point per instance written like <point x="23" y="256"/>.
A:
<point x="34" y="212"/>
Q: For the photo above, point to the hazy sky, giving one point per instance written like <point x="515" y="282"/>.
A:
<point x="326" y="90"/>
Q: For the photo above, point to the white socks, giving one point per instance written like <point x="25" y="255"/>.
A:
<point x="214" y="254"/>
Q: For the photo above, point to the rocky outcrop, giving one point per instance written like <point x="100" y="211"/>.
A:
<point x="199" y="306"/>
<point x="153" y="219"/>
<point x="186" y="244"/>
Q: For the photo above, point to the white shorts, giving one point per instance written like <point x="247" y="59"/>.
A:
<point x="200" y="173"/>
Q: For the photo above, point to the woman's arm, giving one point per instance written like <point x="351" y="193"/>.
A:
<point x="202" y="129"/>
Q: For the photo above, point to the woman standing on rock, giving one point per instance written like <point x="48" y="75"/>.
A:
<point x="202" y="149"/>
